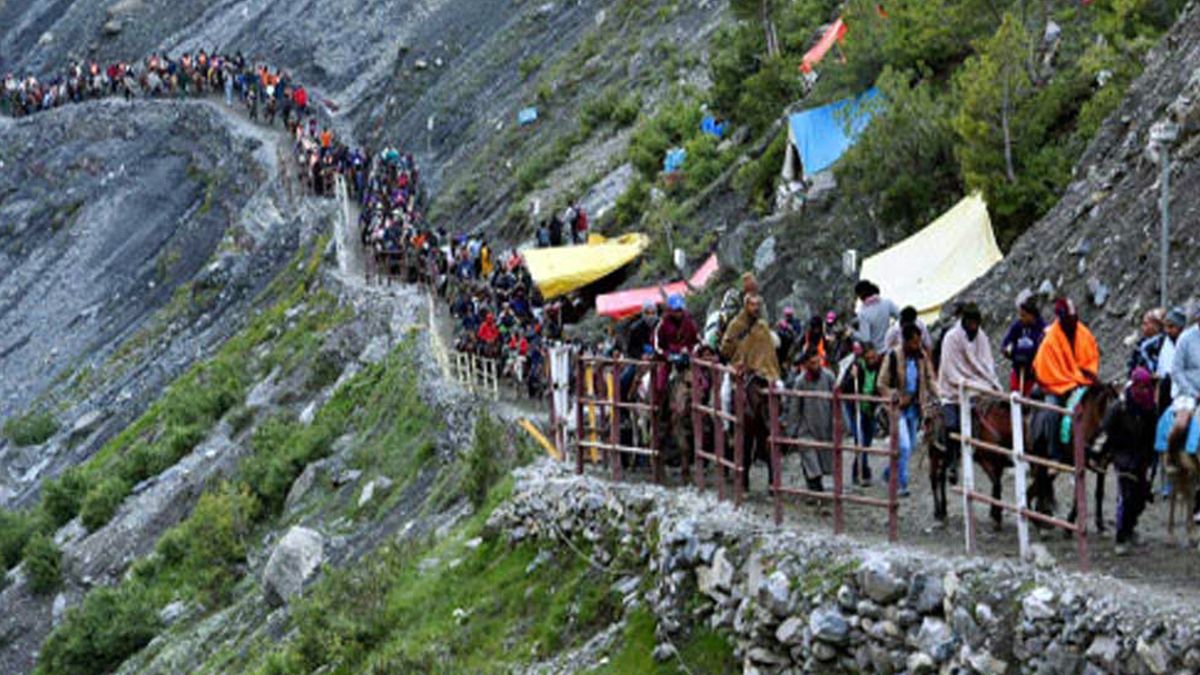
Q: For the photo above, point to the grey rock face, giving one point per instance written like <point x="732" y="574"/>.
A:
<point x="294" y="562"/>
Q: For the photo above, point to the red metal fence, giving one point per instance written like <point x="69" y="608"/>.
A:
<point x="838" y="495"/>
<point x="599" y="408"/>
<point x="1021" y="464"/>
<point x="710" y="415"/>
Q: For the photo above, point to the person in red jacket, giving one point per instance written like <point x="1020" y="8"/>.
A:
<point x="676" y="335"/>
<point x="300" y="98"/>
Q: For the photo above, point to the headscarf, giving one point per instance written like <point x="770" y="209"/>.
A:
<point x="1141" y="389"/>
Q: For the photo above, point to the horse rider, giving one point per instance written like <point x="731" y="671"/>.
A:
<point x="966" y="359"/>
<point x="874" y="313"/>
<point x="1185" y="376"/>
<point x="908" y="372"/>
<point x="1067" y="362"/>
<point x="674" y="339"/>
<point x="749" y="345"/>
<point x="1020" y="345"/>
<point x="639" y="341"/>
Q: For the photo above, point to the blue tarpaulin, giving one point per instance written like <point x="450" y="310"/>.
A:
<point x="820" y="136"/>
<point x="527" y="116"/>
<point x="674" y="160"/>
<point x="712" y="127"/>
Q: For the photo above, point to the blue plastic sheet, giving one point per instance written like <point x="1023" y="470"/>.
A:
<point x="674" y="160"/>
<point x="820" y="134"/>
<point x="712" y="127"/>
<point x="527" y="116"/>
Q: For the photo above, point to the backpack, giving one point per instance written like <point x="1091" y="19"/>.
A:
<point x="581" y="220"/>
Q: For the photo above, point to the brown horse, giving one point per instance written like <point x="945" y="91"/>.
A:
<point x="1182" y="469"/>
<point x="992" y="422"/>
<point x="756" y="427"/>
<point x="1046" y="442"/>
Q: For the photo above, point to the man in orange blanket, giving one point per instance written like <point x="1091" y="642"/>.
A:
<point x="1068" y="357"/>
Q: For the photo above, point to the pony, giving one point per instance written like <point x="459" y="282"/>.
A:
<point x="756" y="427"/>
<point x="1182" y="470"/>
<point x="1045" y="442"/>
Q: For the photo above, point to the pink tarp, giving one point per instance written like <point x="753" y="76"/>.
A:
<point x="627" y="303"/>
<point x="833" y="35"/>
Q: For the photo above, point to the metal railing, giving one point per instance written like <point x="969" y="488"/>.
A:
<point x="477" y="374"/>
<point x="599" y="414"/>
<point x="710" y="415"/>
<point x="1021" y="465"/>
<point x="838" y="495"/>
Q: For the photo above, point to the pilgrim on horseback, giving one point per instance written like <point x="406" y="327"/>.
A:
<point x="966" y="359"/>
<point x="749" y="346"/>
<point x="674" y="339"/>
<point x="1067" y="367"/>
<point x="1178" y="434"/>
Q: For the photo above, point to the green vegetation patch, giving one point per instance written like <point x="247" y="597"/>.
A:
<point x="33" y="428"/>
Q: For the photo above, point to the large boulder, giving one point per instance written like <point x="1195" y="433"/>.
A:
<point x="294" y="562"/>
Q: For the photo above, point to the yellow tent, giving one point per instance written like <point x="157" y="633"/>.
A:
<point x="560" y="270"/>
<point x="935" y="264"/>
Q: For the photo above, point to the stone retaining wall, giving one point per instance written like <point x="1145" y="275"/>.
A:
<point x="798" y="602"/>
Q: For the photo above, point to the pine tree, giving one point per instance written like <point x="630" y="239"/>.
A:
<point x="992" y="85"/>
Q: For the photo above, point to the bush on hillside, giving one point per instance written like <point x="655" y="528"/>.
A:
<point x="101" y="502"/>
<point x="109" y="626"/>
<point x="62" y="496"/>
<point x="43" y="564"/>
<point x="484" y="459"/>
<point x="16" y="527"/>
<point x="32" y="429"/>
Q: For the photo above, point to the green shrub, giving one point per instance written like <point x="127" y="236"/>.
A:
<point x="43" y="564"/>
<point x="102" y="501"/>
<point x="484" y="459"/>
<point x="179" y="440"/>
<point x="15" y="529"/>
<point x="62" y="496"/>
<point x="756" y="178"/>
<point x="109" y="626"/>
<point x="142" y="461"/>
<point x="528" y="66"/>
<point x="32" y="429"/>
<point x="214" y="541"/>
<point x="631" y="204"/>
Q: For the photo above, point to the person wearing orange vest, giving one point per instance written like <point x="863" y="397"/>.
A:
<point x="1068" y="357"/>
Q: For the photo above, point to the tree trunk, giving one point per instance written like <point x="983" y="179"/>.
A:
<point x="764" y="15"/>
<point x="1004" y="115"/>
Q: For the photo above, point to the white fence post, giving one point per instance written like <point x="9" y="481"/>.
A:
<point x="1020" y="469"/>
<point x="968" y="466"/>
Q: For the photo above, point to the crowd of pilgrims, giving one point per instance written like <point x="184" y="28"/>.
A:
<point x="500" y="314"/>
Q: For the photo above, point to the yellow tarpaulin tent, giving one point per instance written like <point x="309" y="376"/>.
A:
<point x="562" y="269"/>
<point x="935" y="264"/>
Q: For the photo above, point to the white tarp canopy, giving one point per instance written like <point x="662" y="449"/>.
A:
<point x="932" y="266"/>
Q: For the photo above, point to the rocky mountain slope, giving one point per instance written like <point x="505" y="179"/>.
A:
<point x="260" y="465"/>
<point x="133" y="236"/>
<point x="1099" y="245"/>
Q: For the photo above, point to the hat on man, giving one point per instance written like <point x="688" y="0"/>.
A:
<point x="1176" y="317"/>
<point x="675" y="301"/>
